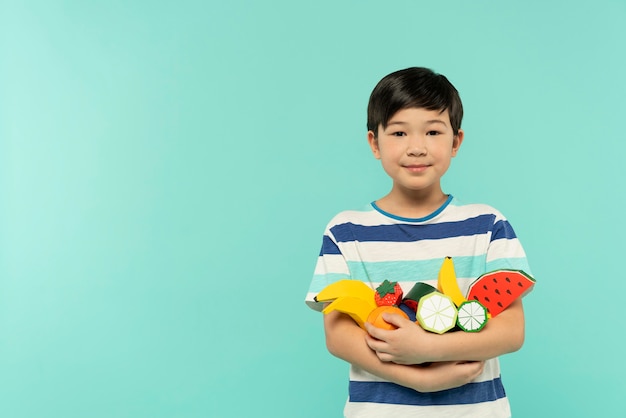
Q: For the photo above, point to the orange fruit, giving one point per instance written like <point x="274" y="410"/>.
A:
<point x="376" y="316"/>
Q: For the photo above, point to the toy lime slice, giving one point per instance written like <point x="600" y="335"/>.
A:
<point x="472" y="316"/>
<point x="436" y="313"/>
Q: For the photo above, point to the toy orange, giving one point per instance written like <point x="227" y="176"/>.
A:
<point x="376" y="316"/>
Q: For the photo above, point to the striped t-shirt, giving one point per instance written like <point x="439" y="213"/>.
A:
<point x="371" y="245"/>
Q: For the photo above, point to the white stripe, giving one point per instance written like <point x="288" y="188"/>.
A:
<point x="331" y="264"/>
<point x="495" y="409"/>
<point x="505" y="248"/>
<point x="490" y="372"/>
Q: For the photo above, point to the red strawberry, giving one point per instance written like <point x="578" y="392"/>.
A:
<point x="388" y="294"/>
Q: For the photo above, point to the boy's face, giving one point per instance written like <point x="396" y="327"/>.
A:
<point x="415" y="148"/>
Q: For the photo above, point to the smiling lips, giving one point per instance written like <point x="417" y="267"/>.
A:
<point x="416" y="168"/>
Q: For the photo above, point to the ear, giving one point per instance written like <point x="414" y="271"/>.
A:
<point x="371" y="139"/>
<point x="456" y="142"/>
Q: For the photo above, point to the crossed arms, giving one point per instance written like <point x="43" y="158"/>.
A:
<point x="398" y="356"/>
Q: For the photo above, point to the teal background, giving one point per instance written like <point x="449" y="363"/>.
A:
<point x="167" y="169"/>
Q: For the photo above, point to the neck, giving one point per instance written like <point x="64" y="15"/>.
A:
<point x="412" y="203"/>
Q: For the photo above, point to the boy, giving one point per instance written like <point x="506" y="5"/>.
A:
<point x="414" y="129"/>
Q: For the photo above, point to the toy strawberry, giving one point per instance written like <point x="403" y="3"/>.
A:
<point x="388" y="294"/>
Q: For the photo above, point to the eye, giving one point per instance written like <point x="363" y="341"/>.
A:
<point x="433" y="133"/>
<point x="398" y="133"/>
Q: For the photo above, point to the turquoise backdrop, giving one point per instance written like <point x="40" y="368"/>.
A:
<point x="167" y="169"/>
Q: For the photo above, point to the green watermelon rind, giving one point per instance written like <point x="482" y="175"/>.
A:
<point x="484" y="319"/>
<point x="419" y="290"/>
<point x="495" y="310"/>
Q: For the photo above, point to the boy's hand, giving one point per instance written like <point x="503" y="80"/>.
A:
<point x="409" y="344"/>
<point x="451" y="374"/>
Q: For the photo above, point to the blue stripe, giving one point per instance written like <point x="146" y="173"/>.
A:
<point x="390" y="393"/>
<point x="503" y="230"/>
<point x="409" y="233"/>
<point x="329" y="247"/>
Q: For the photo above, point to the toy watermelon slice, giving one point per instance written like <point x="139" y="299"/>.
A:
<point x="498" y="289"/>
<point x="418" y="290"/>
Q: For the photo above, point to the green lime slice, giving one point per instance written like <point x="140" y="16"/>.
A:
<point x="436" y="313"/>
<point x="472" y="316"/>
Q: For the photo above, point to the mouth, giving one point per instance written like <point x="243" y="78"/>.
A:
<point x="416" y="168"/>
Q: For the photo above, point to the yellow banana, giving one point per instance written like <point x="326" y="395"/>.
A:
<point x="447" y="283"/>
<point x="358" y="309"/>
<point x="342" y="288"/>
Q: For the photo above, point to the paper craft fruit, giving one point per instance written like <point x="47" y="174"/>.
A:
<point x="447" y="283"/>
<point x="436" y="312"/>
<point x="409" y="311"/>
<point x="498" y="289"/>
<point x="472" y="316"/>
<point x="358" y="309"/>
<point x="352" y="297"/>
<point x="375" y="317"/>
<point x="388" y="294"/>
<point x="418" y="290"/>
<point x="346" y="287"/>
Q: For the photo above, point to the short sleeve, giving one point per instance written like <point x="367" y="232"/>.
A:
<point x="331" y="266"/>
<point x="505" y="250"/>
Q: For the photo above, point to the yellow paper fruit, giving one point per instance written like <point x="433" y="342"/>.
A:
<point x="344" y="288"/>
<point x="447" y="283"/>
<point x="358" y="309"/>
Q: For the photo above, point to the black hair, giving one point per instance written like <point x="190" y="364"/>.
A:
<point x="413" y="87"/>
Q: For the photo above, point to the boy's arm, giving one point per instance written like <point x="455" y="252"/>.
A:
<point x="410" y="344"/>
<point x="346" y="340"/>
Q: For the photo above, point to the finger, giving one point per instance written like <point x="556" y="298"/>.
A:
<point x="384" y="357"/>
<point x="477" y="368"/>
<point x="378" y="333"/>
<point x="395" y="319"/>
<point x="371" y="342"/>
<point x="375" y="344"/>
<point x="482" y="367"/>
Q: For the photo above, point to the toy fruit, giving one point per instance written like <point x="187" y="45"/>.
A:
<point x="346" y="287"/>
<point x="358" y="309"/>
<point x="418" y="290"/>
<point x="409" y="311"/>
<point x="498" y="289"/>
<point x="447" y="283"/>
<point x="437" y="313"/>
<point x="434" y="309"/>
<point x="472" y="316"/>
<point x="376" y="316"/>
<point x="388" y="294"/>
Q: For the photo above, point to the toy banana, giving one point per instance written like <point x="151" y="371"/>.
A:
<point x="447" y="283"/>
<point x="343" y="288"/>
<point x="358" y="309"/>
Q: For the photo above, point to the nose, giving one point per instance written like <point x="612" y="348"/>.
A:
<point x="416" y="146"/>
